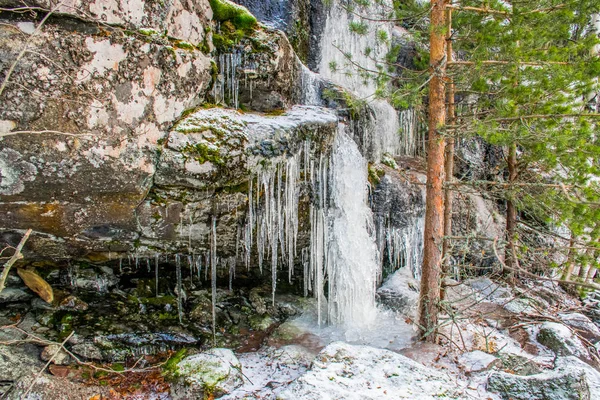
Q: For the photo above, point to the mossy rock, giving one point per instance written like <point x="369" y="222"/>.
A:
<point x="224" y="10"/>
<point x="212" y="373"/>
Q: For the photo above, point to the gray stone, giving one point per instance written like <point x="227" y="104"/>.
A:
<point x="571" y="379"/>
<point x="488" y="289"/>
<point x="561" y="340"/>
<point x="214" y="372"/>
<point x="88" y="351"/>
<point x="582" y="325"/>
<point x="17" y="361"/>
<point x="13" y="295"/>
<point x="78" y="188"/>
<point x="519" y="365"/>
<point x="400" y="292"/>
<point x="344" y="371"/>
<point x="93" y="279"/>
<point x="55" y="353"/>
<point x="477" y="361"/>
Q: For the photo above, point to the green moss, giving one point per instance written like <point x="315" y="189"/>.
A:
<point x="276" y="112"/>
<point x="224" y="10"/>
<point x="170" y="369"/>
<point x="228" y="37"/>
<point x="203" y="152"/>
<point x="375" y="174"/>
<point x="180" y="44"/>
<point x="117" y="367"/>
<point x="159" y="301"/>
<point x="148" y="31"/>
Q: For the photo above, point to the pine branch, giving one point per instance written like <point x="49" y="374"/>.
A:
<point x="500" y="62"/>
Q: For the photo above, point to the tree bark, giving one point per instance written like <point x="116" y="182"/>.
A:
<point x="434" y="203"/>
<point x="570" y="260"/>
<point x="449" y="163"/>
<point x="511" y="213"/>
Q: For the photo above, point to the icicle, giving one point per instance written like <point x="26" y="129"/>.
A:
<point x="199" y="267"/>
<point x="120" y="265"/>
<point x="207" y="263"/>
<point x="213" y="277"/>
<point x="148" y="265"/>
<point x="190" y="235"/>
<point x="231" y="262"/>
<point x="179" y="288"/>
<point x="156" y="273"/>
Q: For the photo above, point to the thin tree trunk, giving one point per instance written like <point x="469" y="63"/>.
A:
<point x="511" y="213"/>
<point x="448" y="164"/>
<point x="590" y="275"/>
<point x="570" y="261"/>
<point x="434" y="203"/>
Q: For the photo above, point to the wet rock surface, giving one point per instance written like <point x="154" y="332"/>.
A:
<point x="215" y="372"/>
<point x="360" y="372"/>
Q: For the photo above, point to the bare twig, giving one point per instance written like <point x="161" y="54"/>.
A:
<point x="12" y="133"/>
<point x="35" y="378"/>
<point x="15" y="257"/>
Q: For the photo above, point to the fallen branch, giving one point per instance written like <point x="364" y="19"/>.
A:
<point x="35" y="378"/>
<point x="15" y="257"/>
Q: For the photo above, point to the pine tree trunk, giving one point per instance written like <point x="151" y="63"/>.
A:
<point x="511" y="214"/>
<point x="434" y="203"/>
<point x="449" y="164"/>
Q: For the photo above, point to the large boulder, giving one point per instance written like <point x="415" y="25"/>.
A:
<point x="400" y="292"/>
<point x="212" y="373"/>
<point x="570" y="379"/>
<point x="82" y="118"/>
<point x="344" y="371"/>
<point x="205" y="166"/>
<point x="562" y="341"/>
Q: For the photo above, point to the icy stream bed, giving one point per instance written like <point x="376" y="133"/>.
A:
<point x="271" y="369"/>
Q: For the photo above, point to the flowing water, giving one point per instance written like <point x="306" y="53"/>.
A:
<point x="353" y="257"/>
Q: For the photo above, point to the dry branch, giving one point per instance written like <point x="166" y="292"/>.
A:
<point x="17" y="256"/>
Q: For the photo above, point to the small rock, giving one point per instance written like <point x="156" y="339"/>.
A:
<point x="582" y="324"/>
<point x="486" y="288"/>
<point x="558" y="338"/>
<point x="73" y="303"/>
<point x="477" y="361"/>
<point x="258" y="302"/>
<point x="519" y="365"/>
<point x="518" y="306"/>
<point x="400" y="292"/>
<point x="88" y="351"/>
<point x="13" y="295"/>
<point x="260" y="322"/>
<point x="56" y="353"/>
<point x="570" y="380"/>
<point x="215" y="372"/>
<point x="97" y="280"/>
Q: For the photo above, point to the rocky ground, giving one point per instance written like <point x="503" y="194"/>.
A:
<point x="121" y="340"/>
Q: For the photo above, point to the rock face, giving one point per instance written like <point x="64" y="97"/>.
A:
<point x="400" y="292"/>
<point x="343" y="371"/>
<point x="90" y="156"/>
<point x="93" y="101"/>
<point x="215" y="372"/>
